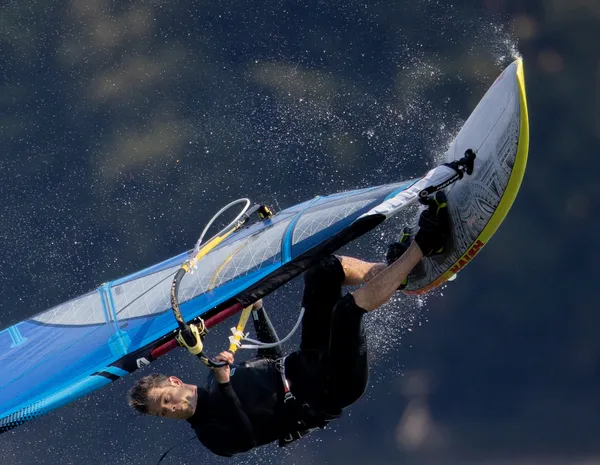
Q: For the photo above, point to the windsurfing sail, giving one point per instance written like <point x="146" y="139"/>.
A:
<point x="77" y="347"/>
<point x="70" y="350"/>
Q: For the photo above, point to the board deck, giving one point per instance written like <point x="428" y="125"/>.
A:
<point x="498" y="131"/>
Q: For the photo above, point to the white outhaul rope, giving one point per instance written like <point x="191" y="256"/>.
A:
<point x="264" y="345"/>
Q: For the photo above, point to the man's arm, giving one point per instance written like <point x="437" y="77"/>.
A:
<point x="245" y="433"/>
<point x="243" y="427"/>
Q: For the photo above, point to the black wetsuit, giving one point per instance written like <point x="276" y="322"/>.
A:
<point x="235" y="417"/>
<point x="328" y="373"/>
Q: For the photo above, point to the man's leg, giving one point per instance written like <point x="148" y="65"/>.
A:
<point x="384" y="284"/>
<point x="357" y="271"/>
<point x="322" y="290"/>
<point x="348" y="363"/>
<point x="348" y="369"/>
<point x="309" y="370"/>
<point x="434" y="228"/>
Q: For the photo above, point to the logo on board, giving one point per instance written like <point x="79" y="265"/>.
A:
<point x="468" y="256"/>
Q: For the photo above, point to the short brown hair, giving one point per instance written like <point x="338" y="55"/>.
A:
<point x="138" y="394"/>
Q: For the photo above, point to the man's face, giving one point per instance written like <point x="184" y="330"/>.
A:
<point x="173" y="400"/>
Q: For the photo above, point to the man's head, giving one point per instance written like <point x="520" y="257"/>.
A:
<point x="164" y="396"/>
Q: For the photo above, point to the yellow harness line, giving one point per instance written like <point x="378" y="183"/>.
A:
<point x="238" y="333"/>
<point x="189" y="264"/>
<point x="215" y="241"/>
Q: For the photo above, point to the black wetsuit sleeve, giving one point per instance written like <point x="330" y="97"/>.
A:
<point x="241" y="427"/>
<point x="224" y="428"/>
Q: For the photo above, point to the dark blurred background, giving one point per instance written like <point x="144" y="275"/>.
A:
<point x="125" y="125"/>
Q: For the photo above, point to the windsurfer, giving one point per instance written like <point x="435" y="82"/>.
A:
<point x="247" y="405"/>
